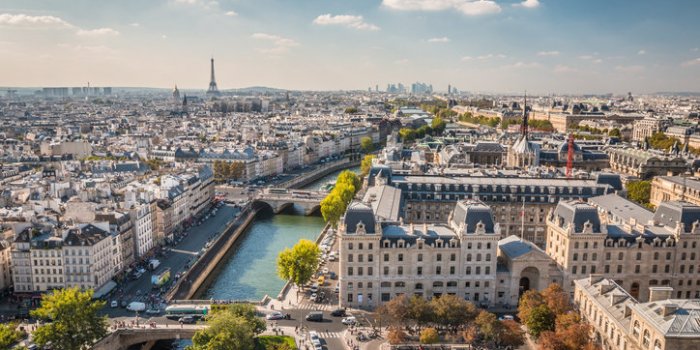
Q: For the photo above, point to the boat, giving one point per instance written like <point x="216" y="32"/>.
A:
<point x="328" y="186"/>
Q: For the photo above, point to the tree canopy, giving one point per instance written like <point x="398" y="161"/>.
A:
<point x="366" y="164"/>
<point x="299" y="263"/>
<point x="75" y="320"/>
<point x="334" y="204"/>
<point x="639" y="191"/>
<point x="233" y="328"/>
<point x="366" y="144"/>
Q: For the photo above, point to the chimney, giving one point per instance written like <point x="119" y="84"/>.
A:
<point x="669" y="309"/>
<point x="660" y="293"/>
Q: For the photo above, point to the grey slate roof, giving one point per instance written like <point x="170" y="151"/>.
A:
<point x="622" y="208"/>
<point x="359" y="212"/>
<point x="576" y="213"/>
<point x="472" y="213"/>
<point x="670" y="213"/>
<point x="513" y="247"/>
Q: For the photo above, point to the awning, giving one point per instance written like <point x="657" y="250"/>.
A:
<point x="104" y="290"/>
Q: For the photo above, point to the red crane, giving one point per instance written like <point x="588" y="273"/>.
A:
<point x="570" y="157"/>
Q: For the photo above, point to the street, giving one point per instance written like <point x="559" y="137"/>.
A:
<point x="182" y="254"/>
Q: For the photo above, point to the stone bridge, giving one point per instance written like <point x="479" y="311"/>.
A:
<point x="123" y="338"/>
<point x="279" y="199"/>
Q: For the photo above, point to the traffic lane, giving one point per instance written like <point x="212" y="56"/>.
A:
<point x="334" y="343"/>
<point x="181" y="254"/>
<point x="329" y="323"/>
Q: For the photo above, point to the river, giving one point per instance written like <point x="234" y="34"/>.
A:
<point x="249" y="272"/>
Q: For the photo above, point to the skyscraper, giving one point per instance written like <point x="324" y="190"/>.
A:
<point x="213" y="90"/>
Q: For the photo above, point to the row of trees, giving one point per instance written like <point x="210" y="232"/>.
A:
<point x="659" y="140"/>
<point x="468" y="117"/>
<point x="366" y="164"/>
<point x="450" y="314"/>
<point x="335" y="203"/>
<point x="224" y="171"/>
<point x="551" y="319"/>
<point x="299" y="263"/>
<point x="436" y="128"/>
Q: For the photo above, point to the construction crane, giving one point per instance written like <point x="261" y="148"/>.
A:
<point x="570" y="157"/>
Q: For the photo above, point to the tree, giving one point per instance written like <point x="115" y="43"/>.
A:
<point x="529" y="300"/>
<point x="639" y="191"/>
<point x="75" y="320"/>
<point x="438" y="125"/>
<point x="300" y="263"/>
<point x="332" y="208"/>
<point x="9" y="335"/>
<point x="247" y="312"/>
<point x="556" y="299"/>
<point x="511" y="334"/>
<point x="470" y="334"/>
<point x="429" y="336"/>
<point x="366" y="144"/>
<point x="396" y="335"/>
<point x="452" y="311"/>
<point x="548" y="340"/>
<point x="398" y="309"/>
<point x="407" y="135"/>
<point x="366" y="164"/>
<point x="540" y="319"/>
<point x="351" y="110"/>
<point x="615" y="132"/>
<point x="225" y="331"/>
<point x="236" y="170"/>
<point x="420" y="310"/>
<point x="489" y="325"/>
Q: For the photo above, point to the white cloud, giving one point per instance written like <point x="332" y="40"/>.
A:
<point x="135" y="24"/>
<point x="641" y="52"/>
<point x="466" y="7"/>
<point x="231" y="13"/>
<point x="548" y="53"/>
<point x="467" y="58"/>
<point x="597" y="60"/>
<point x="280" y="44"/>
<point x="489" y="56"/>
<point x="443" y="39"/>
<point x="22" y="20"/>
<point x="529" y="4"/>
<point x="401" y="61"/>
<point x="630" y="69"/>
<point x="205" y="4"/>
<point x="693" y="62"/>
<point x="99" y="32"/>
<point x="522" y="65"/>
<point x="163" y="36"/>
<point x="562" y="68"/>
<point x="695" y="49"/>
<point x="350" y="21"/>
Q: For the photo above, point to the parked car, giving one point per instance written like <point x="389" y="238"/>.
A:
<point x="506" y="317"/>
<point x="275" y="315"/>
<point x="114" y="303"/>
<point x="325" y="271"/>
<point x="313" y="297"/>
<point x="349" y="321"/>
<point x="332" y="275"/>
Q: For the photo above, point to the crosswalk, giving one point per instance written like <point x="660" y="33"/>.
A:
<point x="330" y="335"/>
<point x="315" y="307"/>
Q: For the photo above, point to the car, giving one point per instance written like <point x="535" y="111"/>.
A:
<point x="187" y="320"/>
<point x="313" y="297"/>
<point x="315" y="316"/>
<point x="153" y="311"/>
<point x="506" y="317"/>
<point x="338" y="313"/>
<point x="349" y="321"/>
<point x="124" y="303"/>
<point x="114" y="303"/>
<point x="314" y="288"/>
<point x="321" y="280"/>
<point x="337" y="288"/>
<point x="275" y="315"/>
<point x="325" y="270"/>
<point x="313" y="335"/>
<point x="332" y="275"/>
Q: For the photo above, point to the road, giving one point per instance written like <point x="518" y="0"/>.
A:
<point x="180" y="255"/>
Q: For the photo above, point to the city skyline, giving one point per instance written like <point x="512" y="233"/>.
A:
<point x="504" y="46"/>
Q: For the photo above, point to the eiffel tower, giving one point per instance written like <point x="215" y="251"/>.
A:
<point x="213" y="90"/>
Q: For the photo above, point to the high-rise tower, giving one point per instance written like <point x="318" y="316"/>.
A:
<point x="213" y="90"/>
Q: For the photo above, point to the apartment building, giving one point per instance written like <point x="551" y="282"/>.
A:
<point x="636" y="248"/>
<point x="674" y="188"/>
<point x="620" y="322"/>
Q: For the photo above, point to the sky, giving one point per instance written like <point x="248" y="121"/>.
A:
<point x="506" y="46"/>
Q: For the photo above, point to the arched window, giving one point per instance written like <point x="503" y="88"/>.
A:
<point x="657" y="345"/>
<point x="646" y="339"/>
<point x="437" y="284"/>
<point x="636" y="329"/>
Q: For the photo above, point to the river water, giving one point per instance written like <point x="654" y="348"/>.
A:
<point x="249" y="272"/>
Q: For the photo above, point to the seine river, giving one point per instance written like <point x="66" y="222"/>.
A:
<point x="249" y="273"/>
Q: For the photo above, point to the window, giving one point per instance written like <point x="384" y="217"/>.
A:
<point x="370" y="271"/>
<point x="667" y="269"/>
<point x="636" y="268"/>
<point x="349" y="297"/>
<point x="487" y="270"/>
<point x="386" y="257"/>
<point x="646" y="339"/>
<point x="478" y="270"/>
<point x="419" y="270"/>
<point x="370" y="246"/>
<point x="469" y="257"/>
<point x="350" y="271"/>
<point x="452" y="270"/>
<point x="419" y="286"/>
<point x="386" y="270"/>
<point x="400" y="257"/>
<point x="469" y="270"/>
<point x="656" y="255"/>
<point x="639" y="256"/>
<point x="453" y="257"/>
<point x="360" y="258"/>
<point x="488" y="257"/>
<point x="438" y="270"/>
<point x="439" y="257"/>
<point x="636" y="329"/>
<point x="607" y="269"/>
<point x="575" y="256"/>
<point x="420" y="257"/>
<point x="620" y="256"/>
<point x="349" y="246"/>
<point x="399" y="270"/>
<point x="350" y="258"/>
<point x="619" y="268"/>
<point x="359" y="246"/>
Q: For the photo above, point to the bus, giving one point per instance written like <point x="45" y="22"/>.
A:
<point x="180" y="310"/>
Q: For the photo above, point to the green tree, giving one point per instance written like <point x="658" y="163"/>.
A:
<point x="75" y="320"/>
<point x="351" y="110"/>
<point x="407" y="135"/>
<point x="452" y="311"/>
<point x="236" y="170"/>
<point x="639" y="191"/>
<point x="397" y="309"/>
<point x="366" y="144"/>
<point x="489" y="325"/>
<point x="247" y="312"/>
<point x="332" y="208"/>
<point x="225" y="331"/>
<point x="438" y="125"/>
<point x="9" y="335"/>
<point x="420" y="310"/>
<point x="540" y="319"/>
<point x="299" y="263"/>
<point x="615" y="132"/>
<point x="429" y="336"/>
<point x="366" y="164"/>
<point x="528" y="301"/>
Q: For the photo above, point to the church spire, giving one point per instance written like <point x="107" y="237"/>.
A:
<point x="524" y="125"/>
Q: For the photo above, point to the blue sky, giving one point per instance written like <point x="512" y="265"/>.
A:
<point x="544" y="46"/>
